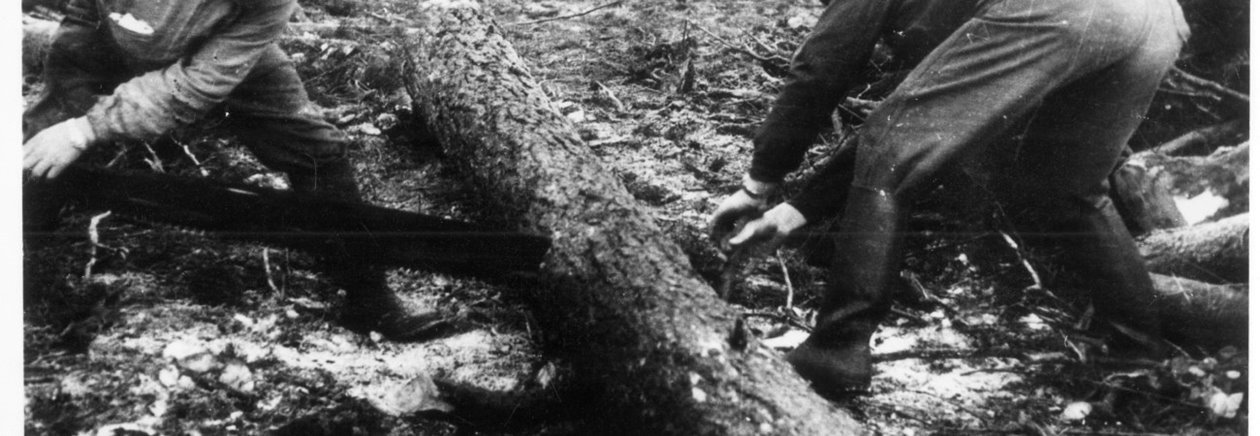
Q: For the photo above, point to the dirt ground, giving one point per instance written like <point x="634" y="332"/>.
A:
<point x="148" y="330"/>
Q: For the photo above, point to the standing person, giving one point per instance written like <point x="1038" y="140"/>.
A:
<point x="1058" y="86"/>
<point x="136" y="69"/>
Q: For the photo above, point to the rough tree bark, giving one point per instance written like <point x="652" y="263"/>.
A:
<point x="661" y="353"/>
<point x="1214" y="252"/>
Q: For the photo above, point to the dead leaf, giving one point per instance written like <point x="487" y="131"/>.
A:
<point x="1077" y="411"/>
<point x="307" y="303"/>
<point x="169" y="376"/>
<point x="1224" y="405"/>
<point x="179" y="350"/>
<point x="546" y="375"/>
<point x="418" y="395"/>
<point x="200" y="362"/>
<point x="237" y="375"/>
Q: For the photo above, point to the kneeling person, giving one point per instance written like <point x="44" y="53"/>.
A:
<point x="138" y="69"/>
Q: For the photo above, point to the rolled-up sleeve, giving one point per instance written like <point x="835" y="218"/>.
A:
<point x="160" y="100"/>
<point x="822" y="70"/>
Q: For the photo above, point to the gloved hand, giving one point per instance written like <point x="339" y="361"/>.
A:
<point x="736" y="207"/>
<point x="747" y="203"/>
<point x="52" y="150"/>
<point x="767" y="232"/>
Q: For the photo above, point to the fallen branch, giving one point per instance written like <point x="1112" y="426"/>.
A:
<point x="1220" y="91"/>
<point x="565" y="17"/>
<point x="1204" y="138"/>
<point x="1214" y="252"/>
<point x="948" y="353"/>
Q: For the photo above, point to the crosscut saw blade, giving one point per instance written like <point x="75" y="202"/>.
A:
<point x="371" y="234"/>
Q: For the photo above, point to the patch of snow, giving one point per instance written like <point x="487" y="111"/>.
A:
<point x="1034" y="322"/>
<point x="1200" y="207"/>
<point x="788" y="340"/>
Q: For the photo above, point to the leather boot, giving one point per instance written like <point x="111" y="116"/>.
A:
<point x="836" y="358"/>
<point x="372" y="307"/>
<point x="1106" y="263"/>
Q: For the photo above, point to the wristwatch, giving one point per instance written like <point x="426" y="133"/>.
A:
<point x="758" y="190"/>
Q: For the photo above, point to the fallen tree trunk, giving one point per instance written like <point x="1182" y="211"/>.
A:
<point x="1213" y="252"/>
<point x="1203" y="314"/>
<point x="660" y="353"/>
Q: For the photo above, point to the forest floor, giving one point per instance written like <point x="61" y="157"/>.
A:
<point x="155" y="331"/>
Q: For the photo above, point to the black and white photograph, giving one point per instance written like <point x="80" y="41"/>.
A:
<point x="615" y="217"/>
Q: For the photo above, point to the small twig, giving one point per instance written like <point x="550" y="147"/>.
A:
<point x="267" y="270"/>
<point x="910" y="316"/>
<point x="564" y="17"/>
<point x="1113" y="433"/>
<point x="992" y="370"/>
<point x="760" y="43"/>
<point x="784" y="318"/>
<point x="621" y="107"/>
<point x="122" y="152"/>
<point x="188" y="152"/>
<point x="787" y="278"/>
<point x="386" y="19"/>
<point x="1022" y="259"/>
<point x="95" y="237"/>
<point x="1150" y="395"/>
<point x="154" y="162"/>
<point x="1219" y="89"/>
<point x="936" y="354"/>
<point x="608" y="141"/>
<point x="744" y="49"/>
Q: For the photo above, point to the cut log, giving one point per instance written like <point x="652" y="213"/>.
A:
<point x="1207" y="315"/>
<point x="1213" y="252"/>
<point x="1224" y="173"/>
<point x="1144" y="199"/>
<point x="1221" y="171"/>
<point x="660" y="353"/>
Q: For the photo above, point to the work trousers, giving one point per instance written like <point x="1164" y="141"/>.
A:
<point x="269" y="112"/>
<point x="1052" y="88"/>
